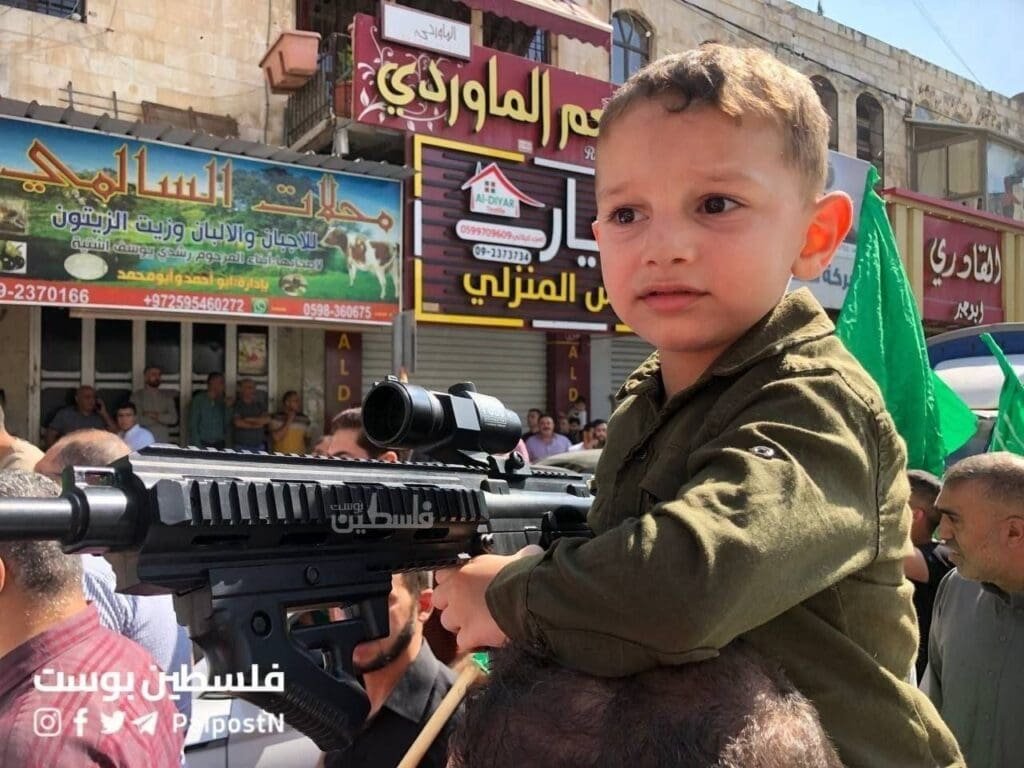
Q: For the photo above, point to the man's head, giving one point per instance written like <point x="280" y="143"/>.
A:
<point x="563" y="423"/>
<point x="600" y="432"/>
<point x="574" y="424"/>
<point x="126" y="416"/>
<point x="152" y="376"/>
<point x="84" y="448"/>
<point x="533" y="418"/>
<point x="215" y="385"/>
<point x="982" y="509"/>
<point x="85" y="399"/>
<point x="699" y="241"/>
<point x="924" y="489"/>
<point x="349" y="440"/>
<point x="409" y="606"/>
<point x="247" y="390"/>
<point x="546" y="426"/>
<point x="734" y="711"/>
<point x="35" y="576"/>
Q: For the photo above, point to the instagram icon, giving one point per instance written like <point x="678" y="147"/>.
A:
<point x="46" y="722"/>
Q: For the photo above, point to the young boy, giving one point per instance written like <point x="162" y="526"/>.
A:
<point x="753" y="484"/>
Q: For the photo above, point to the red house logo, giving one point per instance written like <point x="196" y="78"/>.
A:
<point x="492" y="193"/>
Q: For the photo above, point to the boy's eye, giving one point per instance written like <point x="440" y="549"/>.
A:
<point x="623" y="216"/>
<point x="717" y="204"/>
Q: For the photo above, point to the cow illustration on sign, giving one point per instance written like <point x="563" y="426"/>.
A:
<point x="378" y="257"/>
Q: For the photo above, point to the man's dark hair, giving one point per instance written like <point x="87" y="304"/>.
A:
<point x="214" y="375"/>
<point x="538" y="411"/>
<point x="128" y="405"/>
<point x="575" y="419"/>
<point x="733" y="711"/>
<point x="39" y="567"/>
<point x="924" y="488"/>
<point x="352" y="418"/>
<point x="1000" y="475"/>
<point x="416" y="581"/>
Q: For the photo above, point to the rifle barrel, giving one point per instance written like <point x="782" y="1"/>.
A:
<point x="47" y="518"/>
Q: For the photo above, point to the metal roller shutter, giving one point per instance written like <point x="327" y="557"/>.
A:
<point x="510" y="365"/>
<point x="627" y="354"/>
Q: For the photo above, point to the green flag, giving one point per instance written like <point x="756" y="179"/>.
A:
<point x="1008" y="432"/>
<point x="880" y="325"/>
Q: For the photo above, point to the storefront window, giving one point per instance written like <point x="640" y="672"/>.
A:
<point x="163" y="346"/>
<point x="1004" y="184"/>
<point x="208" y="349"/>
<point x="949" y="172"/>
<point x="62" y="351"/>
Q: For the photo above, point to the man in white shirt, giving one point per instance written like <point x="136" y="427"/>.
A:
<point x="134" y="435"/>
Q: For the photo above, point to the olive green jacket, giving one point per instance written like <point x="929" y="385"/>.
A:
<point x="768" y="501"/>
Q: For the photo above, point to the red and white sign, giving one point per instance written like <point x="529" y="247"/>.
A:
<point x="963" y="273"/>
<point x="492" y="193"/>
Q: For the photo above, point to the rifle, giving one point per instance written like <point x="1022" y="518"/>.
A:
<point x="242" y="540"/>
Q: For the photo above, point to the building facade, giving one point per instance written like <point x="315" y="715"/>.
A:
<point x="493" y="262"/>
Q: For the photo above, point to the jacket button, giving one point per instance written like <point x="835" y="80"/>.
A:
<point x="642" y="455"/>
<point x="763" y="451"/>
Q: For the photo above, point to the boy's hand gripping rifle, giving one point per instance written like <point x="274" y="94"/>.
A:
<point x="243" y="540"/>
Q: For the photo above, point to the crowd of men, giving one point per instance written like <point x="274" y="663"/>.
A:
<point x="214" y="421"/>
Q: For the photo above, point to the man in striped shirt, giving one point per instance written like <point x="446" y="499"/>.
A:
<point x="71" y="692"/>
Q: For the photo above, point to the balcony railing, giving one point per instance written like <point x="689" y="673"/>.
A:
<point x="314" y="101"/>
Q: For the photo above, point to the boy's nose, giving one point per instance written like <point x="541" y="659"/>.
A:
<point x="669" y="245"/>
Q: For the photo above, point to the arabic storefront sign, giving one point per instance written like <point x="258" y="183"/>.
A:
<point x="91" y="219"/>
<point x="343" y="373"/>
<point x="496" y="99"/>
<point x="963" y="273"/>
<point x="477" y="265"/>
<point x="845" y="174"/>
<point x="568" y="370"/>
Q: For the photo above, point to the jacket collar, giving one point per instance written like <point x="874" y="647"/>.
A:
<point x="796" y="319"/>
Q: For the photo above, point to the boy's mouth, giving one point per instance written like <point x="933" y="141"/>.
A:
<point x="670" y="297"/>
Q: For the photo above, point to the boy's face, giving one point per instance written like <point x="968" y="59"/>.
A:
<point x="701" y="222"/>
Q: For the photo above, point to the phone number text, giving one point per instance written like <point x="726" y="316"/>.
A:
<point x="44" y="294"/>
<point x="195" y="303"/>
<point x="336" y="311"/>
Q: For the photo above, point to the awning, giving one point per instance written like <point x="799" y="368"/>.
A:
<point x="560" y="17"/>
<point x="186" y="137"/>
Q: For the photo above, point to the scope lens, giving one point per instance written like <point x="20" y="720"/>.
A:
<point x="397" y="415"/>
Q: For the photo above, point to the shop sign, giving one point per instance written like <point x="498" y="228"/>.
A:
<point x="343" y="373"/>
<point x="495" y="98"/>
<point x="845" y="174"/>
<point x="425" y="30"/>
<point x="963" y="273"/>
<point x="92" y="219"/>
<point x="568" y="370"/>
<point x="473" y="267"/>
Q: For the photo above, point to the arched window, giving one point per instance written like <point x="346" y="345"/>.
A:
<point x="830" y="101"/>
<point x="631" y="45"/>
<point x="871" y="132"/>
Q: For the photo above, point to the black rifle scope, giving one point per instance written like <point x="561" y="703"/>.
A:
<point x="399" y="415"/>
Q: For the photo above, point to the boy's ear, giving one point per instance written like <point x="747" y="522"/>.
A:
<point x="831" y="220"/>
<point x="595" y="227"/>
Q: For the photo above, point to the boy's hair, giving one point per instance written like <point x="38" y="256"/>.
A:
<point x="737" y="82"/>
